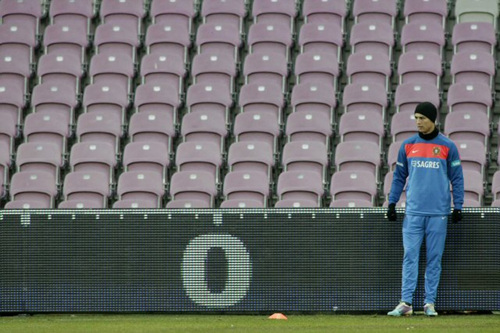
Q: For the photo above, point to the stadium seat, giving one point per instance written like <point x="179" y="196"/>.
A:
<point x="463" y="125"/>
<point x="158" y="98"/>
<point x="423" y="37"/>
<point x="473" y="187"/>
<point x="106" y="98"/>
<point x="353" y="185"/>
<point x="369" y="68"/>
<point x="40" y="156"/>
<point x="321" y="37"/>
<point x="266" y="38"/>
<point x="392" y="154"/>
<point x="206" y="126"/>
<point x="117" y="69"/>
<point x="174" y="12"/>
<point x="112" y="39"/>
<point x="420" y="68"/>
<point x="268" y="98"/>
<point x="328" y="11"/>
<point x="470" y="97"/>
<point x="158" y="69"/>
<point x="365" y="97"/>
<point x="45" y="128"/>
<point x="141" y="185"/>
<point x="309" y="127"/>
<point x="251" y="156"/>
<point x="60" y="70"/>
<point x="474" y="37"/>
<point x="403" y="126"/>
<point x="216" y="39"/>
<point x="241" y="203"/>
<point x="424" y="11"/>
<point x="380" y="11"/>
<point x="218" y="69"/>
<point x="168" y="39"/>
<point x="14" y="71"/>
<point x="257" y="126"/>
<point x="5" y="164"/>
<point x="230" y="13"/>
<point x="151" y="156"/>
<point x="199" y="157"/>
<point x="120" y="12"/>
<point x="472" y="155"/>
<point x="189" y="185"/>
<point x="25" y="13"/>
<point x="206" y="96"/>
<point x="314" y="99"/>
<point x="271" y="11"/>
<point x="358" y="156"/>
<point x="76" y="13"/>
<point x="372" y="37"/>
<point x="66" y="39"/>
<point x="473" y="68"/>
<point x="305" y="187"/>
<point x="12" y="103"/>
<point x="17" y="40"/>
<point x="95" y="157"/>
<point x="305" y="156"/>
<point x="409" y="95"/>
<point x="246" y="186"/>
<point x="91" y="188"/>
<point x="362" y="126"/>
<point x="187" y="204"/>
<point x="317" y="68"/>
<point x="476" y="11"/>
<point x="35" y="189"/>
<point x="351" y="203"/>
<point x="150" y="127"/>
<point x="100" y="127"/>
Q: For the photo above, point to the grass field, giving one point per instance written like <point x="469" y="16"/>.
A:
<point x="162" y="323"/>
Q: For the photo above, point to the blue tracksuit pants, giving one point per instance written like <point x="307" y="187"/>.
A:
<point x="415" y="228"/>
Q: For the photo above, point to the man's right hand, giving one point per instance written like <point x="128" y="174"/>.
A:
<point x="391" y="212"/>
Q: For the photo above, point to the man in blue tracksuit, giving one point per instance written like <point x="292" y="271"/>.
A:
<point x="430" y="161"/>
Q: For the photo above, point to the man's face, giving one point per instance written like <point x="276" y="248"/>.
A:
<point x="424" y="124"/>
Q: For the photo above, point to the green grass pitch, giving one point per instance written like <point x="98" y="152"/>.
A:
<point x="163" y="323"/>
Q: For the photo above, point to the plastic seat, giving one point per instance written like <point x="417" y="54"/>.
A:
<point x="176" y="11"/>
<point x="473" y="186"/>
<point x="365" y="97"/>
<point x="314" y="99"/>
<point x="379" y="11"/>
<point x="369" y="68"/>
<point x="325" y="11"/>
<point x="272" y="11"/>
<point x="157" y="98"/>
<point x="403" y="126"/>
<point x="246" y="185"/>
<point x="372" y="37"/>
<point x="117" y="70"/>
<point x="166" y="70"/>
<point x="358" y="156"/>
<point x="40" y="156"/>
<point x="305" y="156"/>
<point x="8" y="133"/>
<point x="303" y="185"/>
<point x="134" y="204"/>
<point x="45" y="128"/>
<point x="473" y="67"/>
<point x="123" y="12"/>
<point x="36" y="188"/>
<point x="66" y="39"/>
<point x="141" y="185"/>
<point x="266" y="38"/>
<point x="472" y="155"/>
<point x="464" y="125"/>
<point x="423" y="37"/>
<point x="323" y="37"/>
<point x="58" y="101"/>
<point x="392" y="154"/>
<point x="151" y="156"/>
<point x="94" y="157"/>
<point x="147" y="127"/>
<point x="187" y="204"/>
<point x="255" y="97"/>
<point x="77" y="13"/>
<point x="214" y="69"/>
<point x="203" y="96"/>
<point x="113" y="39"/>
<point x="424" y="11"/>
<point x="60" y="70"/>
<point x="22" y="12"/>
<point x="251" y="156"/>
<point x="470" y="97"/>
<point x="474" y="37"/>
<point x="362" y="126"/>
<point x="241" y="203"/>
<point x="80" y="204"/>
<point x="168" y="39"/>
<point x="206" y="126"/>
<point x="17" y="40"/>
<point x="26" y="204"/>
<point x="257" y="127"/>
<point x="296" y="203"/>
<point x="190" y="185"/>
<point x="351" y="203"/>
<point x="309" y="127"/>
<point x="317" y="68"/>
<point x="14" y="71"/>
<point x="408" y="95"/>
<point x="87" y="186"/>
<point x="106" y="98"/>
<point x="215" y="39"/>
<point x="266" y="68"/>
<point x="199" y="156"/>
<point x="476" y="11"/>
<point x="420" y="68"/>
<point x="100" y="127"/>
<point x="351" y="185"/>
<point x="230" y="13"/>
<point x="12" y="103"/>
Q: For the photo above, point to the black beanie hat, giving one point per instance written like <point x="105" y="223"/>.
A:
<point x="427" y="109"/>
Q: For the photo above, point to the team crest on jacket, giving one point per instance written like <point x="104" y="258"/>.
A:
<point x="436" y="151"/>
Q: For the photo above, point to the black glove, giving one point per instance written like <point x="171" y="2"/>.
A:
<point x="456" y="216"/>
<point x="391" y="212"/>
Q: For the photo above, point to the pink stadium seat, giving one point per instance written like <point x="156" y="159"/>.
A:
<point x="14" y="71"/>
<point x="17" y="40"/>
<point x="22" y="12"/>
<point x="231" y="13"/>
<point x="157" y="98"/>
<point x="66" y="39"/>
<point x="473" y="67"/>
<point x="470" y="97"/>
<point x="314" y="99"/>
<point x="358" y="156"/>
<point x="123" y="12"/>
<point x="168" y="39"/>
<point x="473" y="37"/>
<point x="77" y="13"/>
<point x="112" y="39"/>
<point x="317" y="68"/>
<point x="424" y="11"/>
<point x="250" y="127"/>
<point x="408" y="95"/>
<point x="380" y="11"/>
<point x="372" y="37"/>
<point x="321" y="37"/>
<point x="190" y="185"/>
<point x="100" y="127"/>
<point x="148" y="127"/>
<point x="423" y="37"/>
<point x="473" y="155"/>
<point x="268" y="98"/>
<point x="141" y="185"/>
<point x="35" y="189"/>
<point x="151" y="156"/>
<point x="271" y="37"/>
<point x="56" y="100"/>
<point x="216" y="38"/>
<point x="95" y="157"/>
<point x="272" y="11"/>
<point x="40" y="156"/>
<point x="464" y="125"/>
<point x="369" y="68"/>
<point x="199" y="156"/>
<point x="60" y="70"/>
<point x="117" y="69"/>
<point x="353" y="185"/>
<point x="362" y="126"/>
<point x="45" y="128"/>
<point x="305" y="187"/>
<point x="91" y="188"/>
<point x="206" y="126"/>
<point x="246" y="185"/>
<point x="309" y="127"/>
<point x="176" y="11"/>
<point x="392" y="154"/>
<point x="365" y="97"/>
<point x="158" y="69"/>
<point x="218" y="69"/>
<point x="251" y="156"/>
<point x="266" y="68"/>
<point x="206" y="96"/>
<point x="305" y="156"/>
<point x="420" y="68"/>
<point x="106" y="98"/>
<point x="324" y="11"/>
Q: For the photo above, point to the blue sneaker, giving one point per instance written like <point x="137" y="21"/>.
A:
<point x="402" y="309"/>
<point x="429" y="310"/>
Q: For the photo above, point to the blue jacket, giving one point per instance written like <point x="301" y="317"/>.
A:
<point x="430" y="166"/>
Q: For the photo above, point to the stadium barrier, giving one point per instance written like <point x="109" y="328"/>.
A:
<point x="232" y="260"/>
